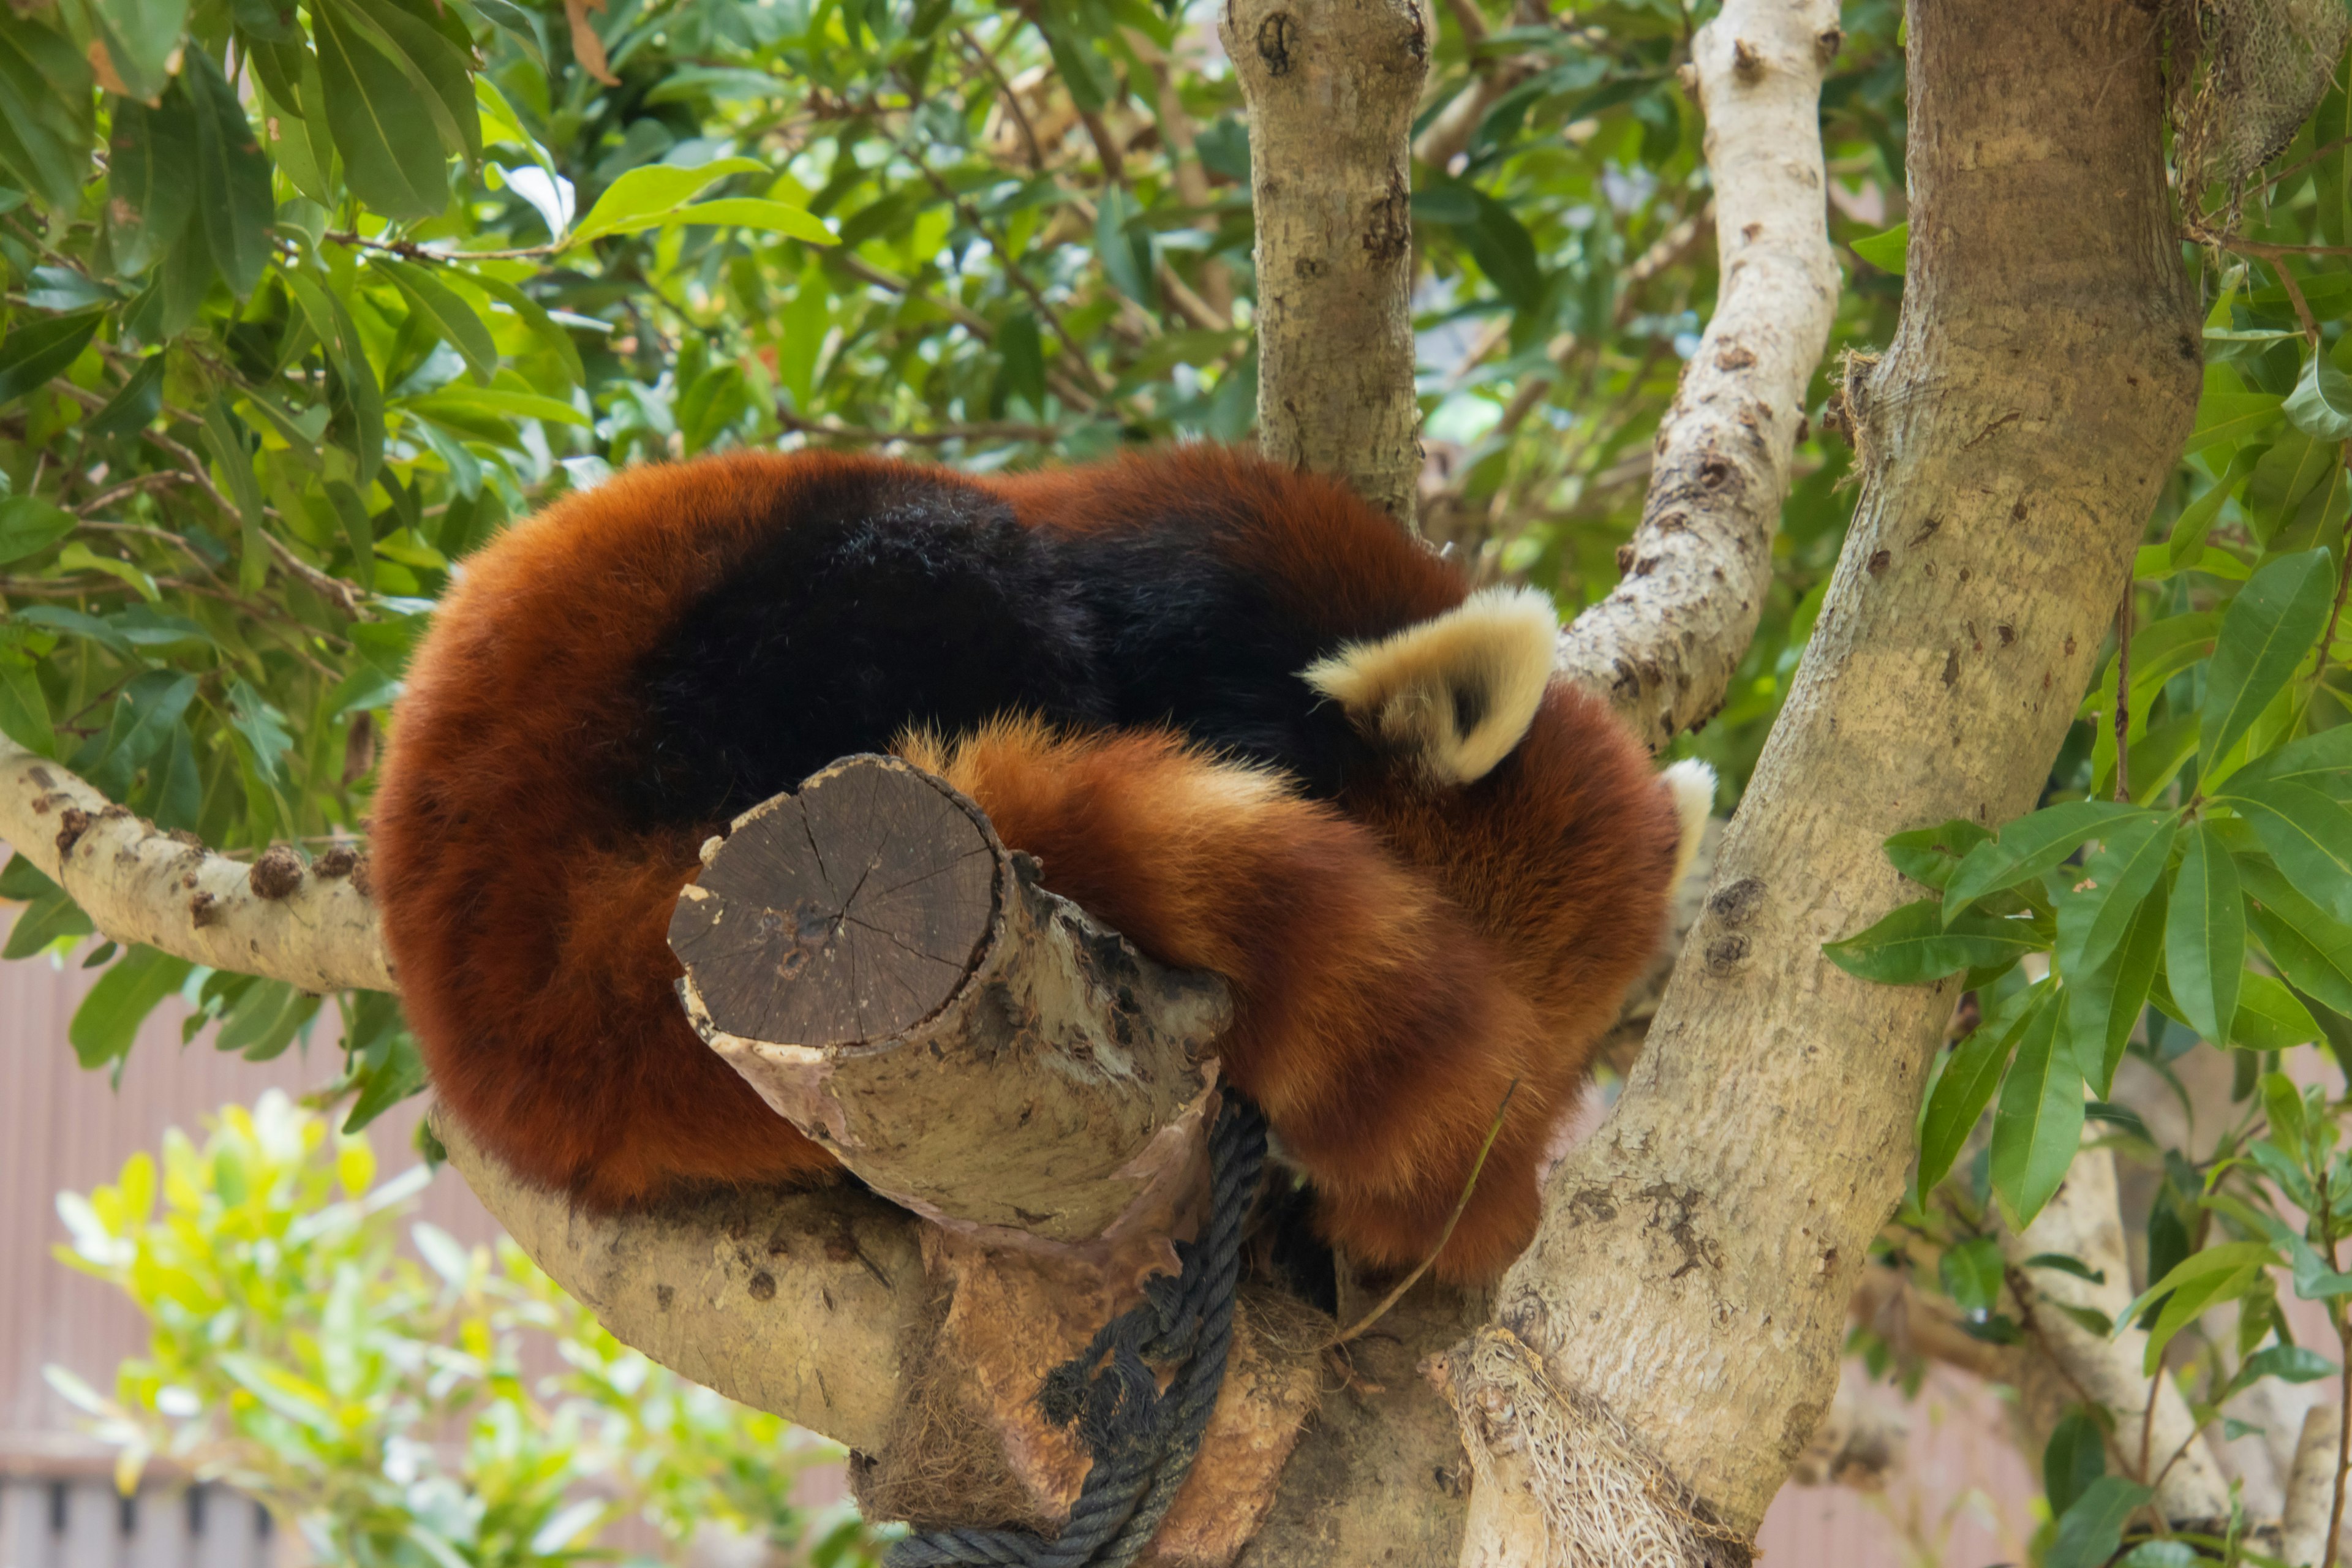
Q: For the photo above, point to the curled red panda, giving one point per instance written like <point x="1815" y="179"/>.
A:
<point x="1233" y="711"/>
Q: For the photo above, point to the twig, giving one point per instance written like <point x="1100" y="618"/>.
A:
<point x="410" y="251"/>
<point x="1468" y="1187"/>
<point x="2245" y="246"/>
<point x="2298" y="167"/>
<point x="1011" y="99"/>
<point x="1013" y="269"/>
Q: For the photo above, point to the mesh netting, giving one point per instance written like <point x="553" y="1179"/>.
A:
<point x="2246" y="74"/>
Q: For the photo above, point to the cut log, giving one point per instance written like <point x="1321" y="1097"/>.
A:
<point x="897" y="984"/>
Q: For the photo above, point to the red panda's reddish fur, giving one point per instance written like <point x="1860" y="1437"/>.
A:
<point x="1398" y="958"/>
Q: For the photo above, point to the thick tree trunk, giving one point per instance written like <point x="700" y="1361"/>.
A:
<point x="1663" y="1351"/>
<point x="1331" y="86"/>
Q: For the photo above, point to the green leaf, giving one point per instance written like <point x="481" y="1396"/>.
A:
<point x="1885" y="250"/>
<point x="2205" y="940"/>
<point x="438" y="66"/>
<point x="41" y="348"/>
<point x="2093" y="923"/>
<point x="363" y="394"/>
<point x="2321" y="403"/>
<point x="2296" y="481"/>
<point x="151" y="168"/>
<point x="1125" y="249"/>
<point x="108" y="1020"/>
<point x="2090" y="1532"/>
<point x="1913" y="946"/>
<point x="1928" y="856"/>
<point x="551" y="336"/>
<point x="449" y="316"/>
<point x="359" y="530"/>
<point x="1966" y="1085"/>
<point x="2214" y="1263"/>
<point x="2232" y="416"/>
<point x="2321" y="760"/>
<point x="236" y="467"/>
<point x="499" y="400"/>
<point x="2195" y="521"/>
<point x="2038" y="1122"/>
<point x="23" y="711"/>
<point x="1506" y="253"/>
<point x="146" y="713"/>
<point x="2311" y="947"/>
<point x="2269" y="626"/>
<point x="2031" y="845"/>
<point x="232" y="177"/>
<point x="140" y="38"/>
<point x="756" y="213"/>
<point x="2103" y="1004"/>
<point x="1971" y="1273"/>
<point x="29" y="525"/>
<point x="2270" y="1018"/>
<point x="649" y="196"/>
<point x="45" y="88"/>
<point x="2288" y="1364"/>
<point x="46" y="918"/>
<point x="2308" y="835"/>
<point x="265" y="1020"/>
<point x="134" y="407"/>
<point x="2076" y="1457"/>
<point x="389" y="143"/>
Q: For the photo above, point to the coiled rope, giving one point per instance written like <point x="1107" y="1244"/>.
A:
<point x="1142" y="1439"/>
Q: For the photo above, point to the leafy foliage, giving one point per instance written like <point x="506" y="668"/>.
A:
<point x="460" y="1410"/>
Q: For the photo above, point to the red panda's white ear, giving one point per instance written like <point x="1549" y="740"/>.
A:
<point x="1457" y="691"/>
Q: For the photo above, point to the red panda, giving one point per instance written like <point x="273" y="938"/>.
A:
<point x="1231" y="711"/>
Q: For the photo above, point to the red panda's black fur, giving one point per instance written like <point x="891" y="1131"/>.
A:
<point x="1108" y="660"/>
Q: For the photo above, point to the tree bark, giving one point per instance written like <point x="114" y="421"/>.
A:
<point x="2155" y="1435"/>
<point x="1663" y="646"/>
<point x="972" y="1048"/>
<point x="1663" y="1351"/>
<point x="311" y="925"/>
<point x="1331" y="86"/>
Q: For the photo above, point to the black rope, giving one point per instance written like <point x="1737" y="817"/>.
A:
<point x="1142" y="1439"/>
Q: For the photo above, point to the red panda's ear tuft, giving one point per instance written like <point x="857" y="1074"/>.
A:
<point x="1457" y="691"/>
<point x="1691" y="783"/>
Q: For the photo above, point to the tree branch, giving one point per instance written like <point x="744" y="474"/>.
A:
<point x="2083" y="1222"/>
<point x="1330" y="86"/>
<point x="313" y="927"/>
<point x="1664" y="645"/>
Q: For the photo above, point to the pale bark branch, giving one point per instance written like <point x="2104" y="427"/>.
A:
<point x="1690" y="1283"/>
<point x="1664" y="645"/>
<point x="275" y="917"/>
<point x="2083" y="1222"/>
<point x="2311" y="1486"/>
